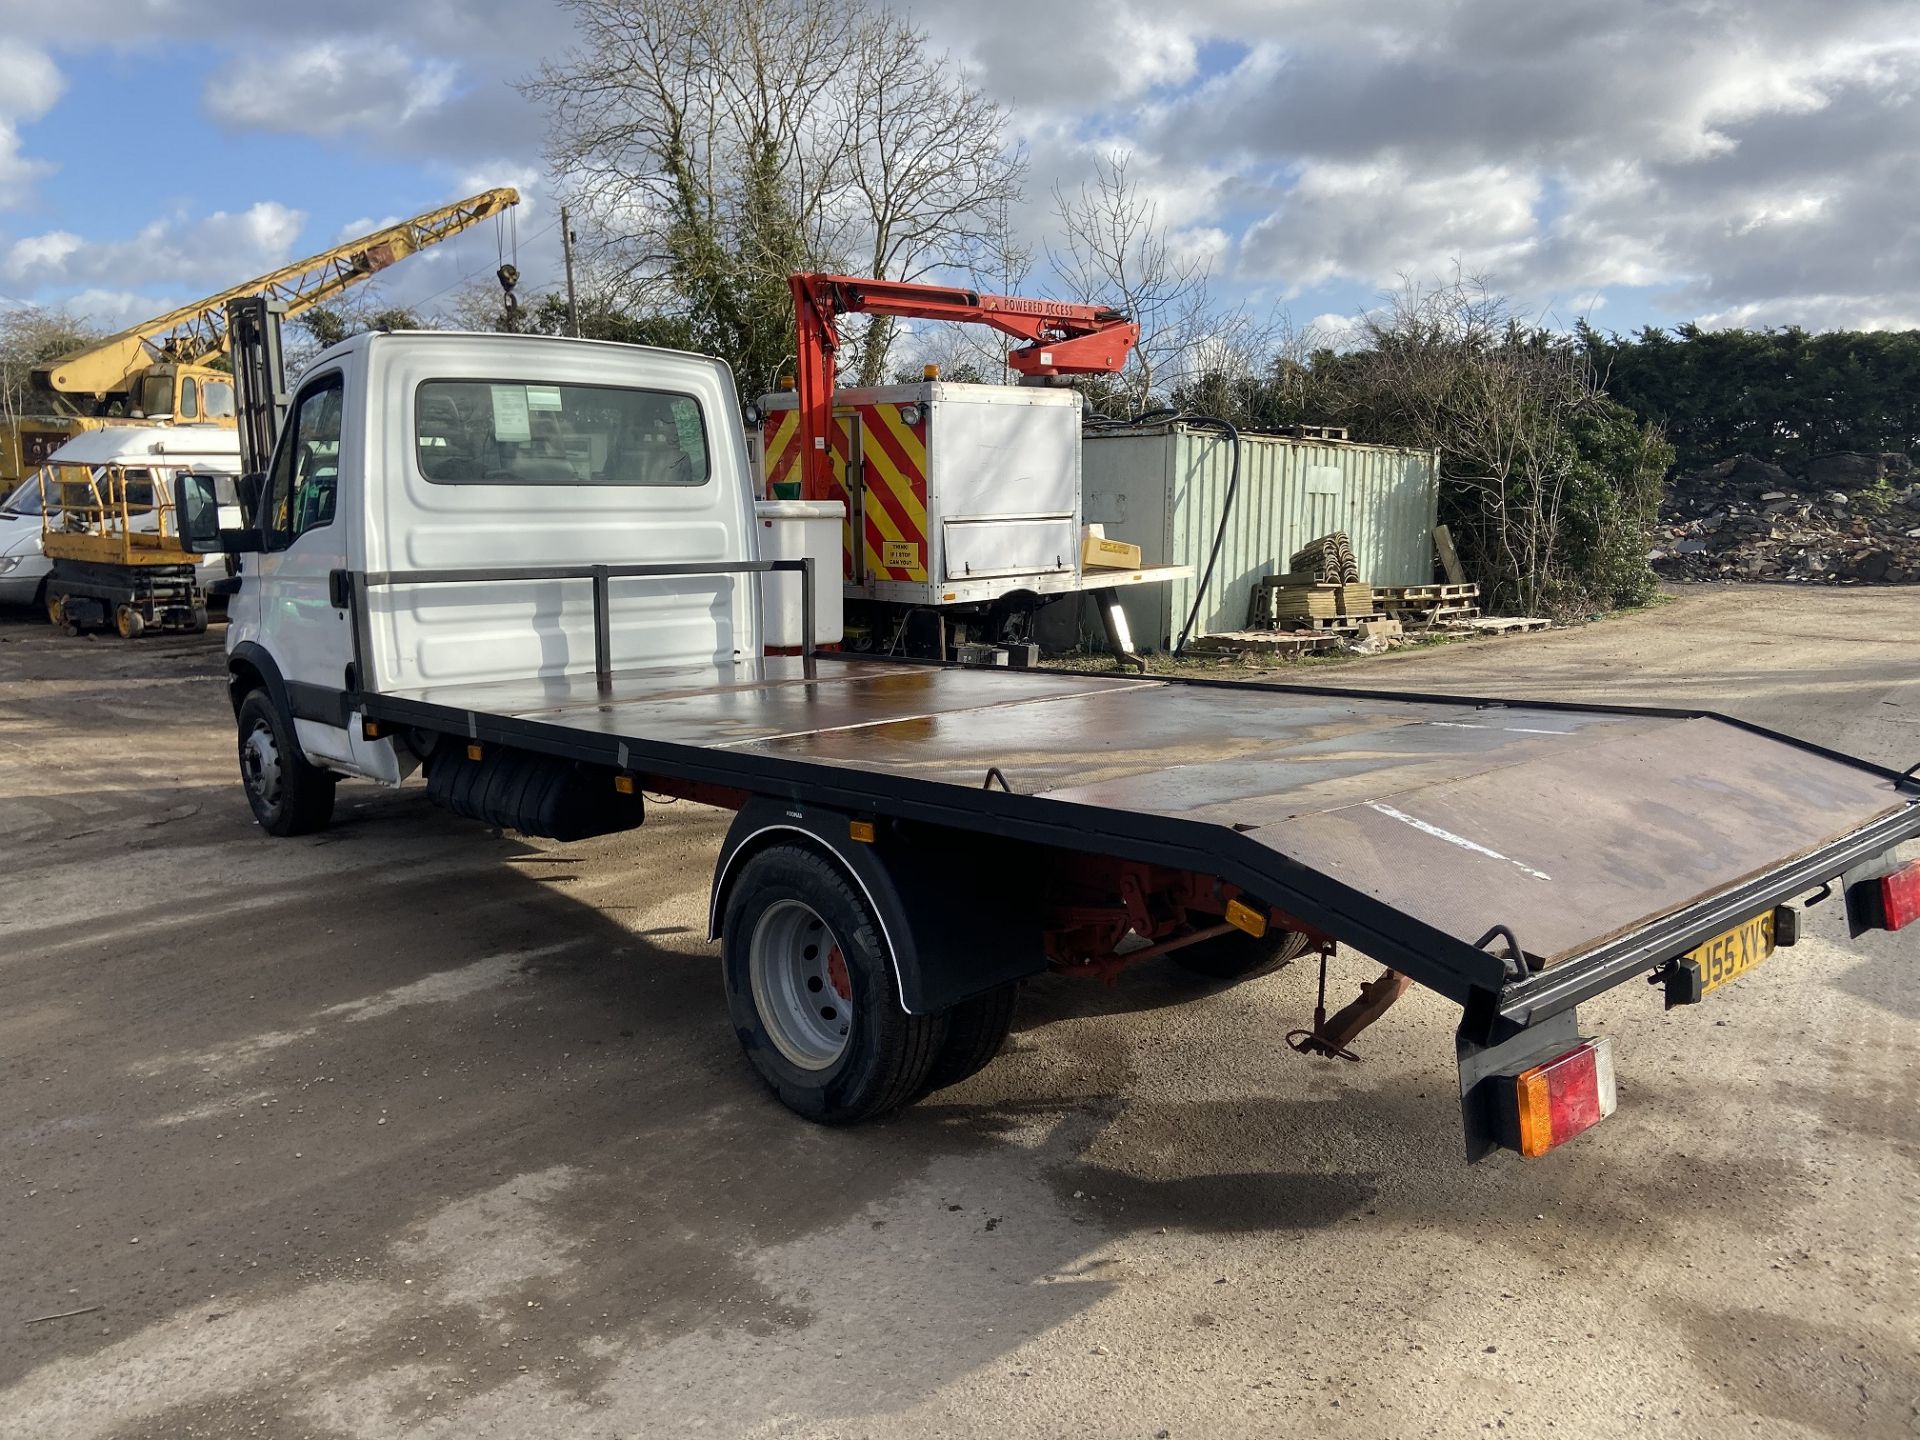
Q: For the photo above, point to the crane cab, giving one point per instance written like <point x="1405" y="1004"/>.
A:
<point x="185" y="394"/>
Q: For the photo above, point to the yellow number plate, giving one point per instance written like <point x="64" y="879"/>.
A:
<point x="1732" y="953"/>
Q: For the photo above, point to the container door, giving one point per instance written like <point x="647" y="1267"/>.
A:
<point x="1009" y="484"/>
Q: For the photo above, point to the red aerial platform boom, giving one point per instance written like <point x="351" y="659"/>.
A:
<point x="1062" y="339"/>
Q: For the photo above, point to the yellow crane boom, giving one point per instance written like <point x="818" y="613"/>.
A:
<point x="198" y="332"/>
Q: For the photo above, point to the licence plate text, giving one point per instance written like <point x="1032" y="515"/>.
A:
<point x="1732" y="953"/>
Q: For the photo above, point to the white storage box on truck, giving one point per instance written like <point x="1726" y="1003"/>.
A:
<point x="962" y="499"/>
<point x="531" y="568"/>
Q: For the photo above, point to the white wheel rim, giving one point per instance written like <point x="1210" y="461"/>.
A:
<point x="260" y="763"/>
<point x="802" y="990"/>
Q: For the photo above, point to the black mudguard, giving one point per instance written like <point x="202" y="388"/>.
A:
<point x="945" y="899"/>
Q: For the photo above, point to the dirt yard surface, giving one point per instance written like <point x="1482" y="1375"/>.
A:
<point x="406" y="1130"/>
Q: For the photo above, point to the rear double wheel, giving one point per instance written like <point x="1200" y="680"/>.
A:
<point x="812" y="992"/>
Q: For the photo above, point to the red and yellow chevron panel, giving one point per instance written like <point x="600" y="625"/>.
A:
<point x="893" y="508"/>
<point x="893" y="458"/>
<point x="780" y="451"/>
<point x="780" y="456"/>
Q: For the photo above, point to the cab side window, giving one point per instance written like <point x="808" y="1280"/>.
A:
<point x="189" y="398"/>
<point x="303" y="485"/>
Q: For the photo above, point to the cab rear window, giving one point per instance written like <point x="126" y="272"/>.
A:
<point x="494" y="432"/>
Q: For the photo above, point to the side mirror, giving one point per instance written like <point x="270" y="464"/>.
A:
<point x="196" y="516"/>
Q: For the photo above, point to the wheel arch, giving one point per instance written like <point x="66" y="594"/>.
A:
<point x="945" y="944"/>
<point x="250" y="667"/>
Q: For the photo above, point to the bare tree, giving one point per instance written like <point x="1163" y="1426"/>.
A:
<point x="715" y="147"/>
<point x="975" y="353"/>
<point x="927" y="167"/>
<point x="1114" y="251"/>
<point x="31" y="335"/>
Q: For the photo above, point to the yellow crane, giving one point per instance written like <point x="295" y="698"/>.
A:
<point x="162" y="367"/>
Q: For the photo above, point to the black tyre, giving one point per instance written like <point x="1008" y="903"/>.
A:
<point x="977" y="1030"/>
<point x="1240" y="956"/>
<point x="812" y="994"/>
<point x="288" y="796"/>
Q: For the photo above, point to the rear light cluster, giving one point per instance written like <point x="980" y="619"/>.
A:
<point x="1555" y="1101"/>
<point x="1900" y="896"/>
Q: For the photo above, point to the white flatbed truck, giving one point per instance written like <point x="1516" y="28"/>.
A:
<point x="529" y="569"/>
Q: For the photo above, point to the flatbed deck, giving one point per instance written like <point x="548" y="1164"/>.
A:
<point x="1601" y="839"/>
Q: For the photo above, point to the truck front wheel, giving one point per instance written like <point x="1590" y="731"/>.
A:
<point x="812" y="993"/>
<point x="288" y="796"/>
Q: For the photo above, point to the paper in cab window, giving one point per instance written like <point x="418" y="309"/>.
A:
<point x="510" y="421"/>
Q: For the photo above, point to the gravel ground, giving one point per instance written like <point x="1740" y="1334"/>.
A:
<point x="407" y="1130"/>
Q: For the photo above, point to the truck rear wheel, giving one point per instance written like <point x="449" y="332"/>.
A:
<point x="288" y="796"/>
<point x="977" y="1031"/>
<point x="1240" y="956"/>
<point x="812" y="994"/>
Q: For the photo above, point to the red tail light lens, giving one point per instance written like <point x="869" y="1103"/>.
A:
<point x="1556" y="1101"/>
<point x="1900" y="895"/>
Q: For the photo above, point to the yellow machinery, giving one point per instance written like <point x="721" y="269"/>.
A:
<point x="107" y="525"/>
<point x="163" y="366"/>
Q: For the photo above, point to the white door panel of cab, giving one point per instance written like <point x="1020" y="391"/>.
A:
<point x="565" y="456"/>
<point x="309" y="638"/>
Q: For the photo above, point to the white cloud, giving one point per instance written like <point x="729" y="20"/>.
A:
<point x="30" y="83"/>
<point x="1054" y="56"/>
<point x="211" y="252"/>
<point x="328" y="88"/>
<point x="1375" y="221"/>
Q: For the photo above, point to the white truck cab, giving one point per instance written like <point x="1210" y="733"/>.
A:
<point x="414" y="452"/>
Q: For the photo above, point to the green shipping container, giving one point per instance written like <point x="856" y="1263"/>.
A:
<point x="1163" y="487"/>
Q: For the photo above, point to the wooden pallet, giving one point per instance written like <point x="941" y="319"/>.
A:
<point x="1454" y="610"/>
<point x="1278" y="644"/>
<point x="1427" y="594"/>
<point x="1497" y="624"/>
<point x="1319" y="622"/>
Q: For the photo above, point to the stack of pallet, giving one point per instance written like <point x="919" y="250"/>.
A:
<point x="1300" y="600"/>
<point x="1430" y="607"/>
<point x="1328" y="560"/>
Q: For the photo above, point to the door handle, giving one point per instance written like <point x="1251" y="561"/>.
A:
<point x="340" y="588"/>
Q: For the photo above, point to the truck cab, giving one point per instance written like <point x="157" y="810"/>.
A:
<point x="424" y="451"/>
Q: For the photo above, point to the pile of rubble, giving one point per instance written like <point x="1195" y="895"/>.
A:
<point x="1847" y="519"/>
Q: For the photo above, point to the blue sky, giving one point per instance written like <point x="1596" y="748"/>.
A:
<point x="1753" y="163"/>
